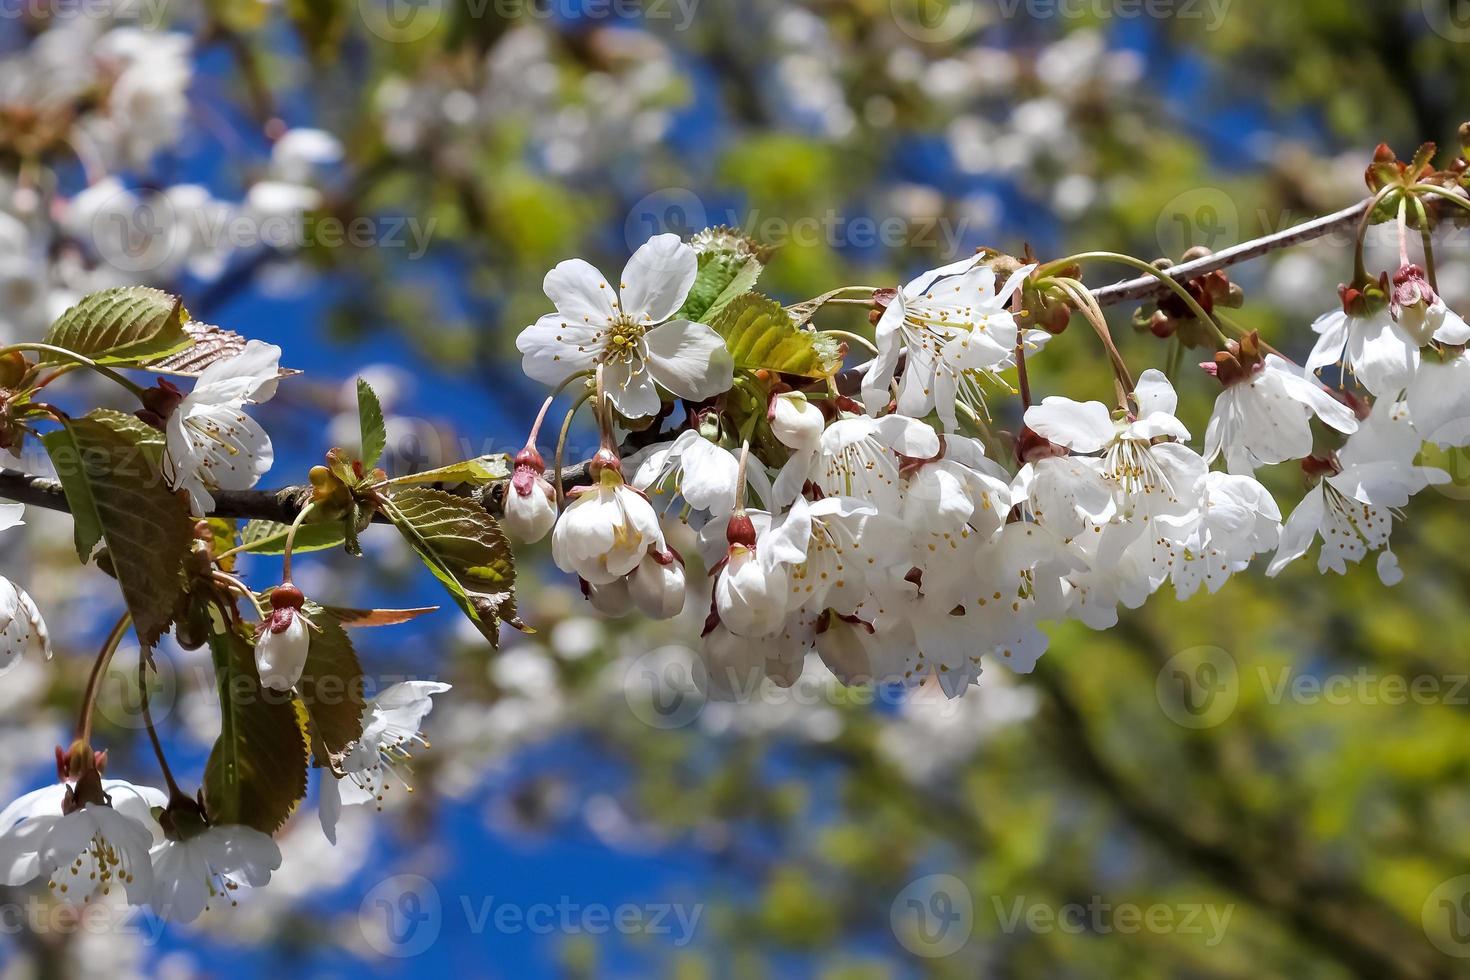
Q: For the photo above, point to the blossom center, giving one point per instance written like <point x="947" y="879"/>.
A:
<point x="622" y="338"/>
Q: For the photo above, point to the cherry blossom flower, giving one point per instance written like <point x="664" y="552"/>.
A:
<point x="391" y="725"/>
<point x="1365" y="338"/>
<point x="955" y="328"/>
<point x="22" y="630"/>
<point x="733" y="665"/>
<point x="1264" y="414"/>
<point x="1239" y="519"/>
<point x="657" y="586"/>
<point x="1421" y="312"/>
<point x="796" y="422"/>
<point x="1352" y="506"/>
<point x="703" y="473"/>
<point x="212" y="444"/>
<point x="752" y="589"/>
<point x="208" y="865"/>
<point x="606" y="530"/>
<point x="958" y="488"/>
<point x="1439" y="399"/>
<point x="86" y="838"/>
<point x="859" y="457"/>
<point x="631" y="331"/>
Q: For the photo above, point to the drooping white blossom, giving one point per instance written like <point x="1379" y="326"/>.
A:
<point x="83" y="846"/>
<point x="212" y="444"/>
<point x="605" y="532"/>
<point x="1352" y="507"/>
<point x="391" y="725"/>
<point x="207" y="866"/>
<point x="954" y="327"/>
<point x="1266" y="417"/>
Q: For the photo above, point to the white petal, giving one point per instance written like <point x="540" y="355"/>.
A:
<point x="1083" y="427"/>
<point x="690" y="360"/>
<point x="657" y="279"/>
<point x="632" y="394"/>
<point x="1301" y="527"/>
<point x="555" y="347"/>
<point x="1153" y="393"/>
<point x="250" y="374"/>
<point x="580" y="293"/>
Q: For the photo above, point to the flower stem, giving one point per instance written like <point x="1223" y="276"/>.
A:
<point x="168" y="775"/>
<point x="561" y="444"/>
<point x="291" y="540"/>
<point x="1174" y="286"/>
<point x="1022" y="380"/>
<point x="1360" y="265"/>
<point x="86" y="362"/>
<point x="1403" y="223"/>
<point x="94" y="679"/>
<point x="1426" y="240"/>
<point x="740" y="476"/>
<point x="1082" y="299"/>
<point x="546" y="405"/>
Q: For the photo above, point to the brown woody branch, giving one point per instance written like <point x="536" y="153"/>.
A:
<point x="281" y="505"/>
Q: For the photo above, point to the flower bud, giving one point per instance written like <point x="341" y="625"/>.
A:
<point x="611" y="599"/>
<point x="657" y="586"/>
<point x="734" y="666"/>
<point x="281" y="647"/>
<point x="530" y="505"/>
<point x="796" y="422"/>
<point x="843" y="647"/>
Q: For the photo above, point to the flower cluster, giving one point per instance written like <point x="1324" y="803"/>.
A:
<point x="904" y="534"/>
<point x="92" y="838"/>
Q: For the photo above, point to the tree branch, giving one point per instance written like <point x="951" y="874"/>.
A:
<point x="281" y="506"/>
<point x="1148" y="287"/>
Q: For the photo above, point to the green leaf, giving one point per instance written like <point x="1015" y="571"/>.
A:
<point x="332" y="687"/>
<point x="256" y="773"/>
<point x="478" y="471"/>
<point x="761" y="335"/>
<point x="127" y="325"/>
<point x="743" y="283"/>
<point x="465" y="549"/>
<point x="725" y="262"/>
<point x="370" y="422"/>
<point x="261" y="537"/>
<point x="109" y="466"/>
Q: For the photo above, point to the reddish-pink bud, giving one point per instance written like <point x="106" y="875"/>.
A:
<point x="529" y="458"/>
<point x="740" y="532"/>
